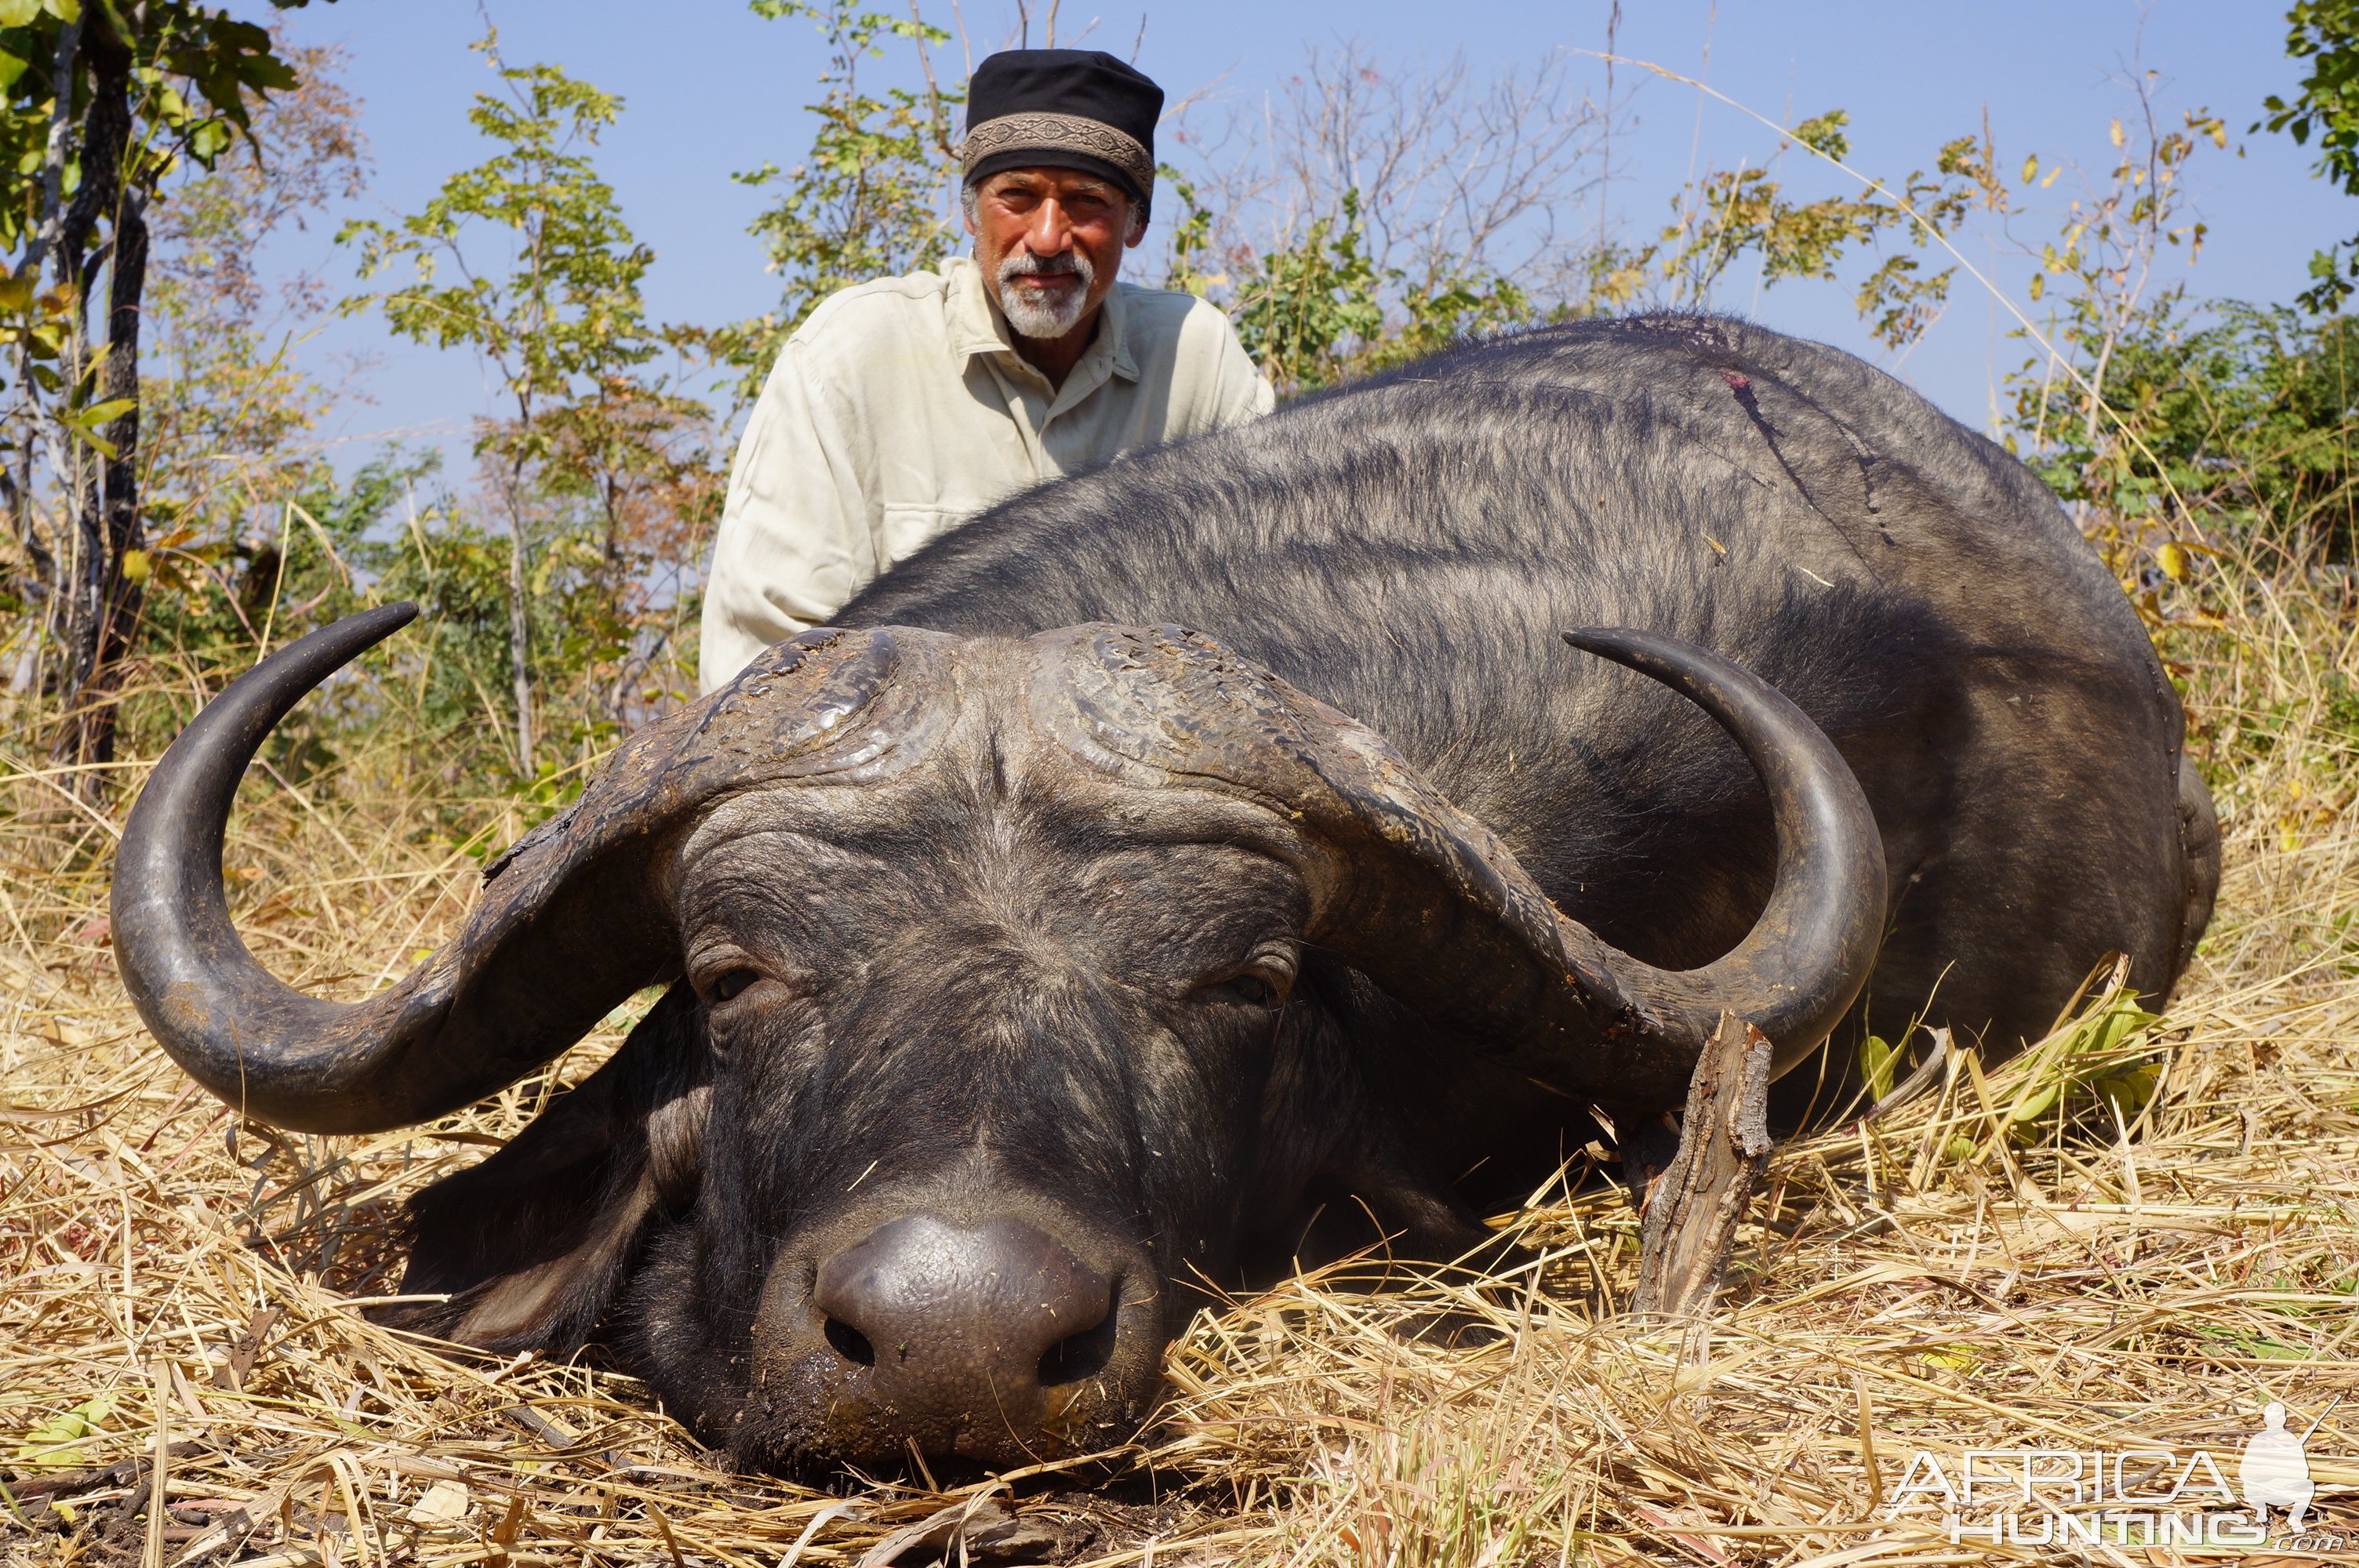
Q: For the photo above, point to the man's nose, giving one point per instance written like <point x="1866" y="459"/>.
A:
<point x="1050" y="233"/>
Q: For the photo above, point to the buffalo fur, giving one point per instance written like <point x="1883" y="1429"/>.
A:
<point x="983" y="1000"/>
<point x="1406" y="549"/>
<point x="531" y="1245"/>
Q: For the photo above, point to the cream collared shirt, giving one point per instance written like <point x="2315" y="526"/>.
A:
<point x="901" y="409"/>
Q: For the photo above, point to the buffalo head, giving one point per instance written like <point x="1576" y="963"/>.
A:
<point x="1017" y="987"/>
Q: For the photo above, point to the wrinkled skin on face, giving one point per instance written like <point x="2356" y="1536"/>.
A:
<point x="1050" y="241"/>
<point x="1057" y="1024"/>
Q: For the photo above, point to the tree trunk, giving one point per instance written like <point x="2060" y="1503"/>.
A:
<point x="519" y="638"/>
<point x="102" y="613"/>
<point x="43" y="584"/>
<point x="120" y="593"/>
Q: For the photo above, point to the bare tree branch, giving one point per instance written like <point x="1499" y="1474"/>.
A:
<point x="1455" y="176"/>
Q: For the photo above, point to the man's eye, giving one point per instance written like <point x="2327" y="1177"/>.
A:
<point x="731" y="983"/>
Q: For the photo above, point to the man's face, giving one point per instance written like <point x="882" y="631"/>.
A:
<point x="1050" y="239"/>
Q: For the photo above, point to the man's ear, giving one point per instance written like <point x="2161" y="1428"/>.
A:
<point x="532" y="1244"/>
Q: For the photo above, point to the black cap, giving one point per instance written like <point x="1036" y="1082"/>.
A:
<point x="1067" y="108"/>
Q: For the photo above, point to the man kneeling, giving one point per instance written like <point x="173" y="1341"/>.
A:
<point x="904" y="406"/>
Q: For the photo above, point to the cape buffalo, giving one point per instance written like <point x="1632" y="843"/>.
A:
<point x="1037" y="958"/>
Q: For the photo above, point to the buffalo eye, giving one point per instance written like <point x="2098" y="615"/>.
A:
<point x="733" y="981"/>
<point x="1253" y="991"/>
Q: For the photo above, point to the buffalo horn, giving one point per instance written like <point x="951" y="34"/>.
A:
<point x="1799" y="968"/>
<point x="1430" y="905"/>
<point x="570" y="921"/>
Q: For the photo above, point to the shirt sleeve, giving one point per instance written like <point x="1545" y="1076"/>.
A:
<point x="794" y="543"/>
<point x="1243" y="393"/>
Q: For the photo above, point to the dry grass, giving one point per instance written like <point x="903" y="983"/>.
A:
<point x="1972" y="1270"/>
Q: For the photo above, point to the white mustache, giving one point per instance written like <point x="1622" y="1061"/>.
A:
<point x="1024" y="263"/>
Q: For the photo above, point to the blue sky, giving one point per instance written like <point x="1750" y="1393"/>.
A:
<point x="711" y="89"/>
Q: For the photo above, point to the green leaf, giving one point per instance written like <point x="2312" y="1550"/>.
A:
<point x="1878" y="1059"/>
<point x="53" y="1441"/>
<point x="85" y="422"/>
<point x="2130" y="1089"/>
<point x="2087" y="1053"/>
<point x="105" y="412"/>
<point x="2327" y="35"/>
<point x="18" y="12"/>
<point x="209" y="140"/>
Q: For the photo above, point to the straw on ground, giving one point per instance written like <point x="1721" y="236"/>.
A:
<point x="2131" y="1239"/>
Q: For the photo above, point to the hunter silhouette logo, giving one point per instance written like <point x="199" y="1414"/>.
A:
<point x="2276" y="1469"/>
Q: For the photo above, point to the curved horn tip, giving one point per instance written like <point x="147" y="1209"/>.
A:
<point x="213" y="1008"/>
<point x="1799" y="971"/>
<point x="329" y="648"/>
<point x="382" y="621"/>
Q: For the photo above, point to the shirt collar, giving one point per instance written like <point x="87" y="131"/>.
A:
<point x="977" y="327"/>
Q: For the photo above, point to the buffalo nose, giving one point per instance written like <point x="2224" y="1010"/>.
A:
<point x="967" y="1323"/>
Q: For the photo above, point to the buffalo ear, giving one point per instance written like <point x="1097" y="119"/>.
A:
<point x="531" y="1245"/>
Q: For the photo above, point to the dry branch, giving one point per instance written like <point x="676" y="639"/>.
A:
<point x="1692" y="1209"/>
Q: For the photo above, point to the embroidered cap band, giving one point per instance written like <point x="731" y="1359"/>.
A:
<point x="1049" y="135"/>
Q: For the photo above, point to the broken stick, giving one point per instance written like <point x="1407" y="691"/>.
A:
<point x="1688" y="1222"/>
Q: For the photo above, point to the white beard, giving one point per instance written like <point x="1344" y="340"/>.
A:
<point x="1034" y="315"/>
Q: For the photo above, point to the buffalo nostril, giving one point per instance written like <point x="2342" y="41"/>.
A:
<point x="1079" y="1357"/>
<point x="850" y="1343"/>
<point x="960" y="1322"/>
